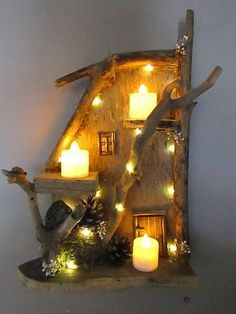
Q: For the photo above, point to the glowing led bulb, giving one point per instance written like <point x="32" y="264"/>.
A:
<point x="171" y="148"/>
<point x="98" y="193"/>
<point x="170" y="190"/>
<point x="119" y="207"/>
<point x="130" y="168"/>
<point x="137" y="131"/>
<point x="172" y="248"/>
<point x="148" y="68"/>
<point x="71" y="265"/>
<point x="97" y="101"/>
<point x="86" y="232"/>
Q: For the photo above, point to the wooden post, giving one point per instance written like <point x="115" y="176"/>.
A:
<point x="180" y="201"/>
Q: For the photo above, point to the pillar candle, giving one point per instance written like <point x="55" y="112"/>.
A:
<point x="141" y="104"/>
<point x="74" y="162"/>
<point x="145" y="253"/>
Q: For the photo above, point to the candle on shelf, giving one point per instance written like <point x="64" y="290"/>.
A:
<point x="74" y="162"/>
<point x="141" y="104"/>
<point x="145" y="253"/>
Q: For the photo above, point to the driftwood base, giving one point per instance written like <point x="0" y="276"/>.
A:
<point x="107" y="278"/>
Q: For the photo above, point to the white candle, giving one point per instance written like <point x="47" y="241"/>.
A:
<point x="141" y="104"/>
<point x="74" y="162"/>
<point x="145" y="253"/>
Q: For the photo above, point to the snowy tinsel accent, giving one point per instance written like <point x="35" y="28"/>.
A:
<point x="101" y="229"/>
<point x="50" y="269"/>
<point x="176" y="135"/>
<point x="182" y="45"/>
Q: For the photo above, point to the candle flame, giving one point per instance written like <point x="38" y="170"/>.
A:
<point x="145" y="241"/>
<point x="142" y="89"/>
<point x="74" y="147"/>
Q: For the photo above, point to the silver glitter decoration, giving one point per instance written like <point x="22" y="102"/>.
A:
<point x="182" y="45"/>
<point x="182" y="247"/>
<point x="176" y="136"/>
<point x="102" y="230"/>
<point x="182" y="251"/>
<point x="50" y="269"/>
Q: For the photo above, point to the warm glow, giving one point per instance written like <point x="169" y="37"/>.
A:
<point x="98" y="193"/>
<point x="69" y="202"/>
<point x="142" y="89"/>
<point x="86" y="232"/>
<point x="172" y="248"/>
<point x="97" y="101"/>
<point x="129" y="167"/>
<point x="148" y="68"/>
<point x="137" y="131"/>
<point x="119" y="207"/>
<point x="171" y="148"/>
<point x="146" y="241"/>
<point x="74" y="162"/>
<point x="74" y="147"/>
<point x="141" y="104"/>
<point x="170" y="190"/>
<point x="71" y="265"/>
<point x="145" y="253"/>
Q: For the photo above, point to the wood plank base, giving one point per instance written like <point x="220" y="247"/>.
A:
<point x="107" y="278"/>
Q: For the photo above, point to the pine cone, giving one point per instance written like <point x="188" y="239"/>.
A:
<point x="94" y="211"/>
<point x="118" y="250"/>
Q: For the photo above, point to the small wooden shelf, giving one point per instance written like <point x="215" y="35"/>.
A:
<point x="107" y="278"/>
<point x="164" y="125"/>
<point x="49" y="182"/>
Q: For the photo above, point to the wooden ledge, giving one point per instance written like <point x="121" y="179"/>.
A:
<point x="164" y="125"/>
<point x="53" y="182"/>
<point x="107" y="278"/>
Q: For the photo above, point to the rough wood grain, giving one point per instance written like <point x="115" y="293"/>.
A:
<point x="106" y="278"/>
<point x="54" y="183"/>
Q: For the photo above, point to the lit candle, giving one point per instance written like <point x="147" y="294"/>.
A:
<point x="74" y="162"/>
<point x="145" y="253"/>
<point x="141" y="104"/>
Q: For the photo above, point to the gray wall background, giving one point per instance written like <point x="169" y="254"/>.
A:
<point x="43" y="40"/>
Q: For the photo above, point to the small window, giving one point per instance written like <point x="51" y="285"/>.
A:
<point x="106" y="143"/>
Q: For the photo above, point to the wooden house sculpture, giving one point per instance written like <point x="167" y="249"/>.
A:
<point x="133" y="123"/>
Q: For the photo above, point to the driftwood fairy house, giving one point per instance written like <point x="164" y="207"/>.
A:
<point x="142" y="183"/>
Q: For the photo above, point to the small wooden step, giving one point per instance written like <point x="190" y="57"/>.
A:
<point x="53" y="182"/>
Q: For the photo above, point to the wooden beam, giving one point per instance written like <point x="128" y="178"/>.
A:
<point x="124" y="60"/>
